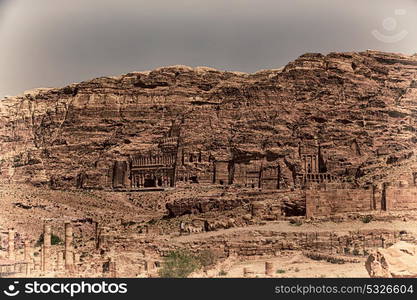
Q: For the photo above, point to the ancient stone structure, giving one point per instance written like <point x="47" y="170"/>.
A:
<point x="27" y="251"/>
<point x="251" y="115"/>
<point x="27" y="256"/>
<point x="10" y="248"/>
<point x="269" y="268"/>
<point x="120" y="174"/>
<point x="326" y="138"/>
<point x="269" y="174"/>
<point x="246" y="272"/>
<point x="46" y="248"/>
<point x="396" y="196"/>
<point x="113" y="268"/>
<point x="60" y="260"/>
<point x="153" y="170"/>
<point x="172" y="162"/>
<point x="253" y="174"/>
<point x="12" y="268"/>
<point x="69" y="251"/>
<point x="42" y="263"/>
<point x="314" y="168"/>
<point x="258" y="208"/>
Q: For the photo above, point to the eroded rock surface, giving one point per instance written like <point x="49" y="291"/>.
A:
<point x="360" y="106"/>
<point x="399" y="260"/>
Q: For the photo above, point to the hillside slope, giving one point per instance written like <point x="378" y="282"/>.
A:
<point x="361" y="107"/>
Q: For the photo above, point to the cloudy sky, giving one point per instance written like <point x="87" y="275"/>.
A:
<point x="51" y="43"/>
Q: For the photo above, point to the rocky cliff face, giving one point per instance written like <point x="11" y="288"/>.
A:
<point x="361" y="107"/>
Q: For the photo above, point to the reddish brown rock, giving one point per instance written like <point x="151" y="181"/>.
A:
<point x="359" y="106"/>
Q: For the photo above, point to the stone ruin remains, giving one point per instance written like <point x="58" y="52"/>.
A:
<point x="172" y="163"/>
<point x="48" y="260"/>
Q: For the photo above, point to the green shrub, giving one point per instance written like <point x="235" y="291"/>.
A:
<point x="179" y="264"/>
<point x="296" y="222"/>
<point x="280" y="271"/>
<point x="350" y="179"/>
<point x="367" y="219"/>
<point x="207" y="258"/>
<point x="222" y="273"/>
<point x="152" y="221"/>
<point x="55" y="240"/>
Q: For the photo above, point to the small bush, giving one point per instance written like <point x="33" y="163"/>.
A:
<point x="179" y="264"/>
<point x="350" y="179"/>
<point x="222" y="273"/>
<point x="355" y="252"/>
<point x="367" y="219"/>
<point x="280" y="271"/>
<point x="296" y="222"/>
<point x="207" y="258"/>
<point x="55" y="240"/>
<point x="152" y="221"/>
<point x="296" y="270"/>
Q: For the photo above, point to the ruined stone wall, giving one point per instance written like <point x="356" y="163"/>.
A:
<point x="221" y="172"/>
<point x="240" y="174"/>
<point x="354" y="243"/>
<point x="120" y="175"/>
<point x="205" y="177"/>
<point x="328" y="202"/>
<point x="269" y="179"/>
<point x="399" y="198"/>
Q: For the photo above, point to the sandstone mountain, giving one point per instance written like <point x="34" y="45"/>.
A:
<point x="360" y="107"/>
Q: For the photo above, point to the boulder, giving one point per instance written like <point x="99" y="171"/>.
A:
<point x="397" y="261"/>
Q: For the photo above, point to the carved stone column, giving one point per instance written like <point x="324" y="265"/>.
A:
<point x="69" y="252"/>
<point x="10" y="249"/>
<point x="46" y="247"/>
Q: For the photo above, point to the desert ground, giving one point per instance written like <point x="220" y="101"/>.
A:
<point x="26" y="209"/>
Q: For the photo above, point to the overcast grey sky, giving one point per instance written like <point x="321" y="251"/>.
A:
<point x="50" y="43"/>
